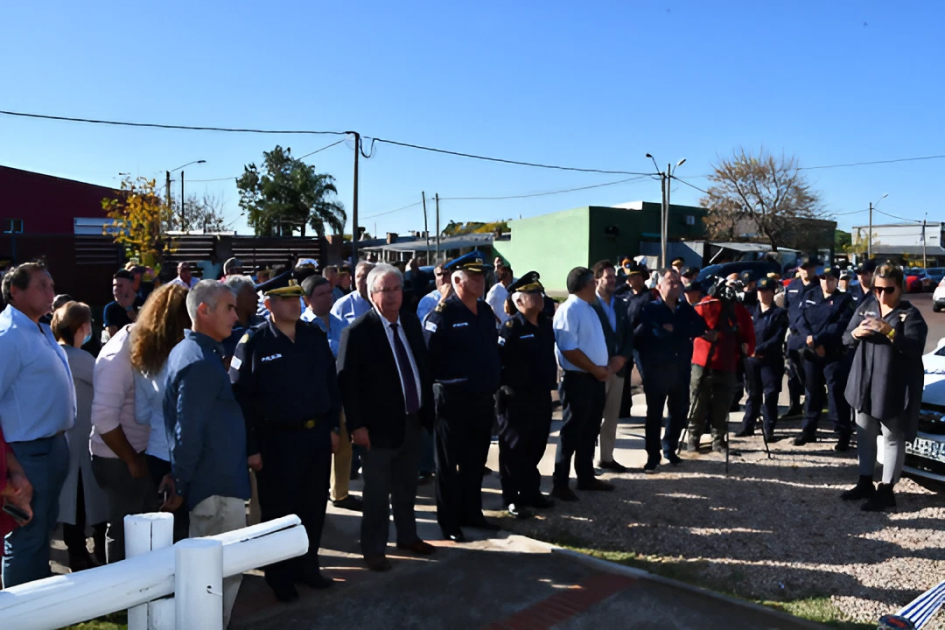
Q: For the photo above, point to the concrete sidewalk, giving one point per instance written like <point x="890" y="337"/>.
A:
<point x="502" y="582"/>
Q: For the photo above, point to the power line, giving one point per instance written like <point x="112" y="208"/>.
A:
<point x="892" y="216"/>
<point x="542" y="194"/>
<point x="908" y="159"/>
<point x="389" y="211"/>
<point x="220" y="179"/>
<point x="844" y="214"/>
<point x="678" y="179"/>
<point x="311" y="132"/>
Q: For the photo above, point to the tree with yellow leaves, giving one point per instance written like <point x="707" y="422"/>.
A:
<point x="138" y="214"/>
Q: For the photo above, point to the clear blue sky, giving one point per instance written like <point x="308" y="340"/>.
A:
<point x="590" y="84"/>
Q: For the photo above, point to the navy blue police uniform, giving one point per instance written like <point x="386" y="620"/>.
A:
<point x="825" y="318"/>
<point x="634" y="304"/>
<point x="290" y="398"/>
<point x="464" y="362"/>
<point x="765" y="370"/>
<point x="529" y="373"/>
<point x="794" y="296"/>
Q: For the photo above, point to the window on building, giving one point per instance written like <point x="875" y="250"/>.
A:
<point x="13" y="226"/>
<point x="690" y="219"/>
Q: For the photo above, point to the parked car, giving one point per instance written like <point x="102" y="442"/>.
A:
<point x="938" y="298"/>
<point x="759" y="268"/>
<point x="925" y="456"/>
<point x="936" y="273"/>
<point x="918" y="280"/>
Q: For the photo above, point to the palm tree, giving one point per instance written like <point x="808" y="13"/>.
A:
<point x="323" y="209"/>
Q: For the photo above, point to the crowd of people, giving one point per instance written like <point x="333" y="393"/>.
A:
<point x="278" y="390"/>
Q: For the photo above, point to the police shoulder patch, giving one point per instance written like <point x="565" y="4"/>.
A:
<point x="510" y="323"/>
<point x="430" y="326"/>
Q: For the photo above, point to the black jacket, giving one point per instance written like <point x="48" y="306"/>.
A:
<point x="370" y="382"/>
<point x="887" y="376"/>
<point x="620" y="341"/>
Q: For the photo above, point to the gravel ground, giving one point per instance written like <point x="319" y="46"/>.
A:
<point x="770" y="530"/>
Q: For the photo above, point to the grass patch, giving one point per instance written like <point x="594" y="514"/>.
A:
<point x="817" y="609"/>
<point x="114" y="621"/>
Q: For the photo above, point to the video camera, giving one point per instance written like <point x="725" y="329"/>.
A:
<point x="725" y="290"/>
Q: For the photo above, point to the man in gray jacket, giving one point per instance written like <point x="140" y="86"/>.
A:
<point x="612" y="312"/>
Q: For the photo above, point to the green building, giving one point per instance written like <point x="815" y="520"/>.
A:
<point x="553" y="244"/>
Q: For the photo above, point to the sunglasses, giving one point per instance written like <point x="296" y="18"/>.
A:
<point x="886" y="290"/>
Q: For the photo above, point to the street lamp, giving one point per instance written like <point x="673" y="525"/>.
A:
<point x="869" y="236"/>
<point x="665" y="177"/>
<point x="183" y="226"/>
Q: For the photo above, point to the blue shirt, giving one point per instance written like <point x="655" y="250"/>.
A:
<point x="336" y="325"/>
<point x="577" y="327"/>
<point x="208" y="447"/>
<point x="351" y="307"/>
<point x="427" y="303"/>
<point x="609" y="310"/>
<point x="37" y="395"/>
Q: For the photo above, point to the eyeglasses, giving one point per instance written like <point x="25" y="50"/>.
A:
<point x="388" y="290"/>
<point x="886" y="290"/>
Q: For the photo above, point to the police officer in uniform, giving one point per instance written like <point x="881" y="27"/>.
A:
<point x="794" y="296"/>
<point x="462" y="340"/>
<point x="529" y="373"/>
<point x="824" y="315"/>
<point x="636" y="296"/>
<point x="864" y="275"/>
<point x="764" y="370"/>
<point x="283" y="375"/>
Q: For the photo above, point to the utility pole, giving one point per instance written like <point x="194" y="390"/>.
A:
<point x="925" y="260"/>
<point x="183" y="226"/>
<point x="167" y="189"/>
<point x="354" y="203"/>
<point x="869" y="236"/>
<point x="437" y="228"/>
<point x="426" y="232"/>
<point x="665" y="226"/>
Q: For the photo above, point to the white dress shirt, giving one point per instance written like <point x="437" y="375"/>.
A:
<point x="496" y="298"/>
<point x="413" y="363"/>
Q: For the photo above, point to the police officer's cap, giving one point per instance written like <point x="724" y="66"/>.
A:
<point x="808" y="261"/>
<point x="472" y="265"/>
<point x="693" y="286"/>
<point x="867" y="266"/>
<point x="291" y="289"/>
<point x="634" y="268"/>
<point x="678" y="261"/>
<point x="527" y="284"/>
<point x="690" y="272"/>
<point x="768" y="284"/>
<point x="746" y="276"/>
<point x="831" y="272"/>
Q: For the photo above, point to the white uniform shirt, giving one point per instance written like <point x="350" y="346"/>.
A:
<point x="577" y="327"/>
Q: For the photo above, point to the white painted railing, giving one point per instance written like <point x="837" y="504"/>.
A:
<point x="917" y="613"/>
<point x="141" y="583"/>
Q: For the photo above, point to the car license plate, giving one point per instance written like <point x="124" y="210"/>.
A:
<point x="929" y="449"/>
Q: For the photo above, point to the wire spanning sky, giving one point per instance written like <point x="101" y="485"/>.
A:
<point x="593" y="86"/>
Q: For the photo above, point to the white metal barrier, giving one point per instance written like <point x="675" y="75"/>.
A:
<point x="917" y="613"/>
<point x="139" y="582"/>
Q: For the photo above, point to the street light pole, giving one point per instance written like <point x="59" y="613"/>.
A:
<point x="183" y="226"/>
<point x="354" y="200"/>
<point x="869" y="236"/>
<point x="665" y="185"/>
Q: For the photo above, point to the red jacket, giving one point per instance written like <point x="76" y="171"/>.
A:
<point x="728" y="346"/>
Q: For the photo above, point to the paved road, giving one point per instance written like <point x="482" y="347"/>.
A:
<point x="936" y="321"/>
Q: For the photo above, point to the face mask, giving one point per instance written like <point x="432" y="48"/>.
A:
<point x="87" y="339"/>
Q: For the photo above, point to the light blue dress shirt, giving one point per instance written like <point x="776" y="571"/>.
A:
<point x="336" y="325"/>
<point x="37" y="395"/>
<point x="427" y="303"/>
<point x="149" y="409"/>
<point x="609" y="311"/>
<point x="351" y="307"/>
<point x="577" y="327"/>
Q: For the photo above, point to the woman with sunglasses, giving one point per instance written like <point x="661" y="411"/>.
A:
<point x="885" y="384"/>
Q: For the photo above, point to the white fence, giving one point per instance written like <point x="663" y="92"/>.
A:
<point x="192" y="571"/>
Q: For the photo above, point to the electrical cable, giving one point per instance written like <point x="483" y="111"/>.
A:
<point x="220" y="179"/>
<point x="679" y="179"/>
<point x="893" y="216"/>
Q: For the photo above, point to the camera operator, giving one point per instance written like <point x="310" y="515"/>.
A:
<point x="764" y="370"/>
<point x="794" y="295"/>
<point x="822" y="320"/>
<point x="715" y="357"/>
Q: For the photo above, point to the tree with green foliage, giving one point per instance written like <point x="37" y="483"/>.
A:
<point x="285" y="194"/>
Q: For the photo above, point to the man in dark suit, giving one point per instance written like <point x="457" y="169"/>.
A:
<point x="388" y="397"/>
<point x="383" y="352"/>
<point x="612" y="312"/>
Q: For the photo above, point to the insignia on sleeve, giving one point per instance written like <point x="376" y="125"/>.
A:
<point x="430" y="326"/>
<point x="236" y="362"/>
<point x="501" y="341"/>
<point x="509" y="323"/>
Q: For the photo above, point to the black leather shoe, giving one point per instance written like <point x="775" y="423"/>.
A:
<point x="614" y="466"/>
<point x="884" y="499"/>
<point x="651" y="466"/>
<point x="595" y="485"/>
<point x="843" y="444"/>
<point x="745" y="432"/>
<point x="672" y="458"/>
<point x="864" y="489"/>
<point x="518" y="512"/>
<point x="378" y="563"/>
<point x="805" y="438"/>
<point x="564" y="493"/>
<point x="317" y="580"/>
<point x="286" y="593"/>
<point x="539" y="502"/>
<point x="455" y="535"/>
<point x="349" y="503"/>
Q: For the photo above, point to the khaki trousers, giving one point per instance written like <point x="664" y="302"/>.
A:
<point x="341" y="465"/>
<point x="218" y="515"/>
<point x="608" y="428"/>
